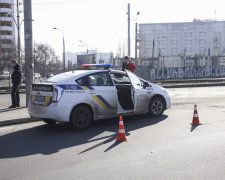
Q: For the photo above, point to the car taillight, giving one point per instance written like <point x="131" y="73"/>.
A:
<point x="55" y="95"/>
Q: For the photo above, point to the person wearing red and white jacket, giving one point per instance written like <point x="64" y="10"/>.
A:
<point x="127" y="64"/>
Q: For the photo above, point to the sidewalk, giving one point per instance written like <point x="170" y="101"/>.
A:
<point x="16" y="115"/>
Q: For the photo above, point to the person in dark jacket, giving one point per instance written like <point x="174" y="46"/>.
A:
<point x="16" y="80"/>
<point x="127" y="64"/>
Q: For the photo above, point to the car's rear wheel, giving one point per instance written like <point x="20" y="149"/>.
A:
<point x="156" y="106"/>
<point x="49" y="121"/>
<point x="81" y="117"/>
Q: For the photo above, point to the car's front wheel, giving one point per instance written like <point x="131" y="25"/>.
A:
<point x="81" y="117"/>
<point x="156" y="106"/>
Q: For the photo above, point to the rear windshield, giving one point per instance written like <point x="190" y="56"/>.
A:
<point x="63" y="76"/>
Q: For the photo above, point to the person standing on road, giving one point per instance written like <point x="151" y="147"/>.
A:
<point x="16" y="80"/>
<point x="127" y="64"/>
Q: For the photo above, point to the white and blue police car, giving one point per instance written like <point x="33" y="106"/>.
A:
<point x="81" y="96"/>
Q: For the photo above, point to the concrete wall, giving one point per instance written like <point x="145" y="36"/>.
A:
<point x="187" y="72"/>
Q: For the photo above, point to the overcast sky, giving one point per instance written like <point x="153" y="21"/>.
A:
<point x="102" y="24"/>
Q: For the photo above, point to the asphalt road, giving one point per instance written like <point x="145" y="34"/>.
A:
<point x="157" y="148"/>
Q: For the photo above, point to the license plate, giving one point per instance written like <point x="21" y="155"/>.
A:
<point x="39" y="98"/>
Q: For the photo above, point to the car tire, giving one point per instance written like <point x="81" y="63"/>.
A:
<point x="81" y="117"/>
<point x="49" y="121"/>
<point x="156" y="106"/>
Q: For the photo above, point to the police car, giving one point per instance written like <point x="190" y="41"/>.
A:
<point x="81" y="96"/>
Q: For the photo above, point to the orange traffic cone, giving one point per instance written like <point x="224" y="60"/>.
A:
<point x="195" y="120"/>
<point x="121" y="133"/>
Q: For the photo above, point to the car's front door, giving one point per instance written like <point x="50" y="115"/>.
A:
<point x="100" y="92"/>
<point x="140" y="95"/>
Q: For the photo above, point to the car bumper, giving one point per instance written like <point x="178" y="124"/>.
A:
<point x="53" y="111"/>
<point x="168" y="101"/>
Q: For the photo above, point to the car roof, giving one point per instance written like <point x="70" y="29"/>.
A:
<point x="70" y="74"/>
<point x="77" y="73"/>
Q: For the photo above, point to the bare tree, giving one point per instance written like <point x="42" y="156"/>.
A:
<point x="45" y="60"/>
<point x="8" y="53"/>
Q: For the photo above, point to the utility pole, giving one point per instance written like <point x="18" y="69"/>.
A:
<point x="64" y="56"/>
<point x="153" y="48"/>
<point x="18" y="30"/>
<point x="29" y="64"/>
<point x="136" y="39"/>
<point x="136" y="43"/>
<point x="128" y="13"/>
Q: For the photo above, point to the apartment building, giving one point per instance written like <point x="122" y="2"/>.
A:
<point x="191" y="39"/>
<point x="7" y="28"/>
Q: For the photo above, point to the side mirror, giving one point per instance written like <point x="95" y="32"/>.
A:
<point x="146" y="85"/>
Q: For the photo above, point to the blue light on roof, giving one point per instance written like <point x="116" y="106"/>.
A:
<point x="105" y="66"/>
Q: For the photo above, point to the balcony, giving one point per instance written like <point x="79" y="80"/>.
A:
<point x="6" y="10"/>
<point x="6" y="19"/>
<point x="7" y="1"/>
<point x="7" y="36"/>
<point x="7" y="28"/>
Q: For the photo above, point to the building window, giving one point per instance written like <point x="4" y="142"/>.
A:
<point x="188" y="42"/>
<point x="202" y="34"/>
<point x="147" y="43"/>
<point x="174" y="42"/>
<point x="162" y="42"/>
<point x="6" y="32"/>
<point x="188" y="49"/>
<point x="174" y="50"/>
<point x="6" y="41"/>
<point x="6" y="23"/>
<point x="202" y="49"/>
<point x="202" y="41"/>
<point x="162" y="51"/>
<point x="216" y="34"/>
<point x="160" y="35"/>
<point x="5" y="5"/>
<point x="174" y="34"/>
<point x="188" y="34"/>
<point x="217" y="42"/>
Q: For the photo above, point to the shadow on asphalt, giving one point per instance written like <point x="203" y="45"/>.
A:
<point x="46" y="139"/>
<point x="11" y="109"/>
<point x="193" y="127"/>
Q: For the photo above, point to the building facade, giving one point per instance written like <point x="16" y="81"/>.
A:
<point x="191" y="39"/>
<point x="7" y="29"/>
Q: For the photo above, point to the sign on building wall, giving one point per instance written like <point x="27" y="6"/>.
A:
<point x="187" y="72"/>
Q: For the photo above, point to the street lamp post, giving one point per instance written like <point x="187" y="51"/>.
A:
<point x="136" y="30"/>
<point x="153" y="48"/>
<point x="128" y="40"/>
<point x="18" y="29"/>
<point x="84" y="44"/>
<point x="64" y="58"/>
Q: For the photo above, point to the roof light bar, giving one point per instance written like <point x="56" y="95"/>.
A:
<point x="92" y="66"/>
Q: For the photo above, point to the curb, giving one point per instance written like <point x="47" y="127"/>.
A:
<point x="192" y="85"/>
<point x="18" y="121"/>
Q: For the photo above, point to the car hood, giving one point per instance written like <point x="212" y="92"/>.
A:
<point x="158" y="88"/>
